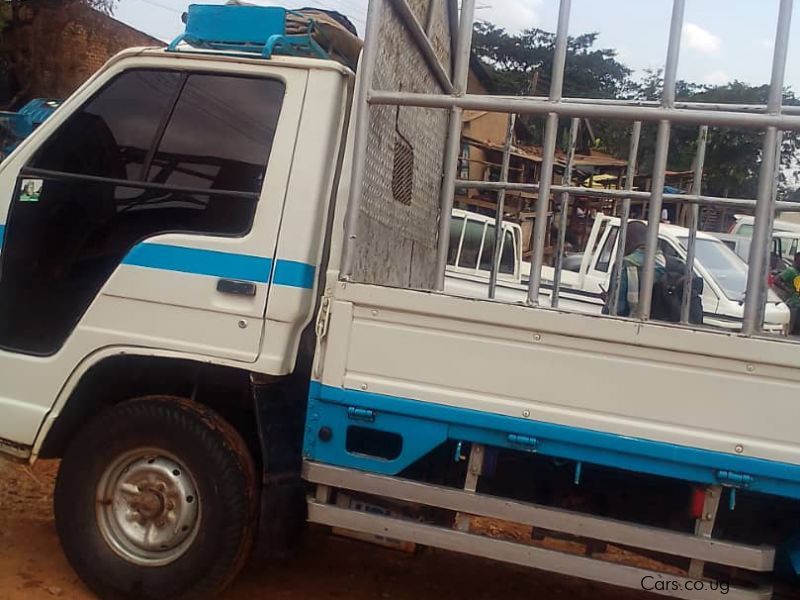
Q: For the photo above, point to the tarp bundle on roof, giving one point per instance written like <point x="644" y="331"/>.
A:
<point x="333" y="31"/>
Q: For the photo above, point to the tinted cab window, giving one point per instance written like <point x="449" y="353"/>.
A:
<point x="152" y="152"/>
<point x="111" y="135"/>
<point x="215" y="137"/>
<point x="456" y="227"/>
<point x="471" y="244"/>
<point x="607" y="251"/>
<point x="507" y="257"/>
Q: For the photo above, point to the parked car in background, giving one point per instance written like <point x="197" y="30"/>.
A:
<point x="471" y="249"/>
<point x="785" y="244"/>
<point x="744" y="226"/>
<point x="723" y="272"/>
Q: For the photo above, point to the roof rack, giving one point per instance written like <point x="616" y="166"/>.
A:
<point x="247" y="29"/>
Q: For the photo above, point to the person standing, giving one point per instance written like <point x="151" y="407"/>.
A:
<point x="789" y="282"/>
<point x="630" y="280"/>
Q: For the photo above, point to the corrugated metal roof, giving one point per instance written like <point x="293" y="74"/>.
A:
<point x="595" y="159"/>
<point x="515" y="150"/>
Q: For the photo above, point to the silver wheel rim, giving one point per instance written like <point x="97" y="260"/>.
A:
<point x="148" y="508"/>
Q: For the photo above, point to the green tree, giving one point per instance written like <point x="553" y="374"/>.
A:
<point x="522" y="64"/>
<point x="733" y="156"/>
<point x="515" y="61"/>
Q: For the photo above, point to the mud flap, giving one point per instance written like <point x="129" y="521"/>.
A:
<point x="280" y="411"/>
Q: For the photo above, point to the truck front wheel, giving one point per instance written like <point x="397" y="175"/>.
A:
<point x="156" y="498"/>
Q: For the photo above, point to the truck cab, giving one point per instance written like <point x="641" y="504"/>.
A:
<point x="471" y="252"/>
<point x="163" y="206"/>
<point x="162" y="235"/>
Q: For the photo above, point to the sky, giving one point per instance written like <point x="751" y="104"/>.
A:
<point x="723" y="40"/>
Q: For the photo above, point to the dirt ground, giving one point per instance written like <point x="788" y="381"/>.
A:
<point x="33" y="567"/>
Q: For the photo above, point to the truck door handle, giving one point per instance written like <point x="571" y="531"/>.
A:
<point x="238" y="288"/>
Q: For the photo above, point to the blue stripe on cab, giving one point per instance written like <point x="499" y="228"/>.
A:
<point x="294" y="274"/>
<point x="228" y="265"/>
<point x="200" y="262"/>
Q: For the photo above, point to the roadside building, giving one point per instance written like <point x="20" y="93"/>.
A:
<point x="50" y="47"/>
<point x="483" y="138"/>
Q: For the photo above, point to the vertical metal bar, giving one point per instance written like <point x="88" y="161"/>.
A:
<point x="501" y="203"/>
<point x="367" y="70"/>
<point x="452" y="19"/>
<point x="429" y="14"/>
<point x="625" y="215"/>
<point x="450" y="169"/>
<point x="647" y="278"/>
<point x="463" y="46"/>
<point x="694" y="221"/>
<point x="768" y="254"/>
<point x="704" y="526"/>
<point x="323" y="494"/>
<point x="560" y="52"/>
<point x="765" y="206"/>
<point x="422" y="44"/>
<point x="548" y="156"/>
<point x="660" y="162"/>
<point x="453" y="146"/>
<point x="574" y="127"/>
<point x="474" y="472"/>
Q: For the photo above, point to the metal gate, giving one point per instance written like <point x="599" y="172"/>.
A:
<point x="772" y="118"/>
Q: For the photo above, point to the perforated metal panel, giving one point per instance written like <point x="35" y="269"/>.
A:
<point x="403" y="171"/>
<point x="399" y="209"/>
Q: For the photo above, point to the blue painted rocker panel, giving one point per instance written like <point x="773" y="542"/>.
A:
<point x="425" y="425"/>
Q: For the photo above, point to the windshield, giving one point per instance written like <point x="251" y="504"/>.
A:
<point x="725" y="267"/>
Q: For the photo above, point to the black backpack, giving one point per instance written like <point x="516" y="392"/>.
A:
<point x="668" y="294"/>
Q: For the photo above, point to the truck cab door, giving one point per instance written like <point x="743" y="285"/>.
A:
<point x="595" y="235"/>
<point x="710" y="298"/>
<point x="145" y="213"/>
<point x="141" y="214"/>
<point x="601" y="260"/>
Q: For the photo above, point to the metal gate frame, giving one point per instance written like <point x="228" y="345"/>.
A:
<point x="773" y="118"/>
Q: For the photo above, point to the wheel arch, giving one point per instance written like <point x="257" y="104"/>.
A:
<point x="116" y="374"/>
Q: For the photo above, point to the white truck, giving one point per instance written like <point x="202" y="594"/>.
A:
<point x="785" y="240"/>
<point x="221" y="306"/>
<point x="744" y="224"/>
<point x="724" y="274"/>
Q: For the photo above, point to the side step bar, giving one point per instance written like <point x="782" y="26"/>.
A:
<point x="518" y="554"/>
<point x="753" y="558"/>
<point x="609" y="530"/>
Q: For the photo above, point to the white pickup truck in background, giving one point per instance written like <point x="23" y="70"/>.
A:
<point x="724" y="273"/>
<point x="744" y="226"/>
<point x="785" y="240"/>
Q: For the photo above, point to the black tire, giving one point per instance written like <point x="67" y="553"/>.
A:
<point x="224" y="475"/>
